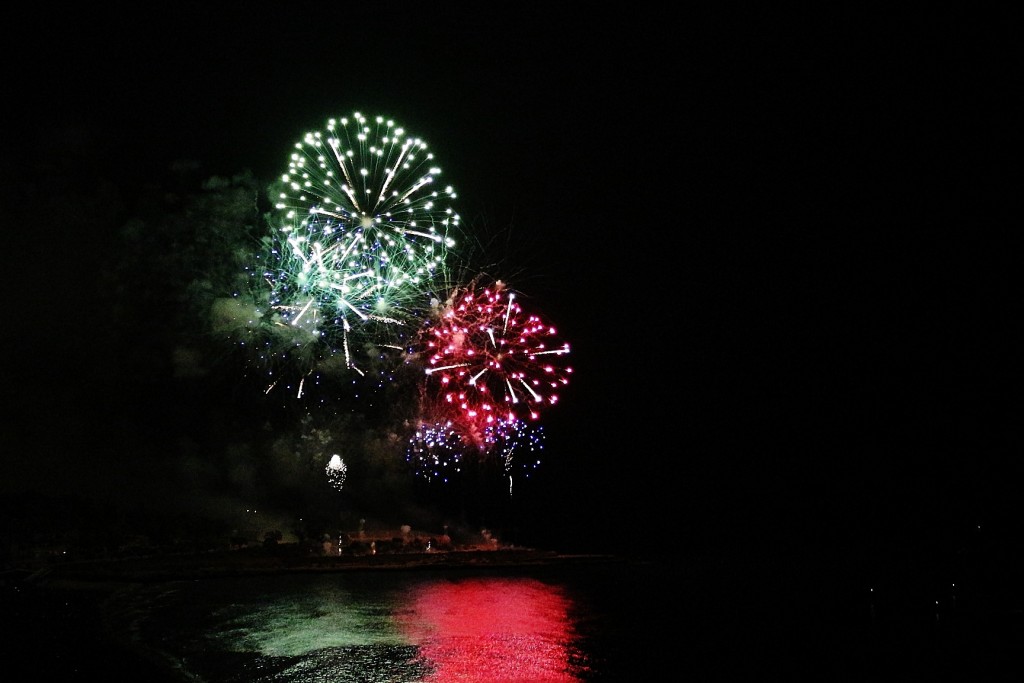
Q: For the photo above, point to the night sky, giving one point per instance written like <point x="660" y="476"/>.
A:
<point x="775" y="246"/>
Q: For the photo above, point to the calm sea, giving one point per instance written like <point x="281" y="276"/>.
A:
<point x="709" y="620"/>
<point x="558" y="624"/>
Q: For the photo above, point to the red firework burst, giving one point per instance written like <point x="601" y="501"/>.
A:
<point x="490" y="361"/>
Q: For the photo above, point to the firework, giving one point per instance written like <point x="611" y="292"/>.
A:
<point x="360" y="241"/>
<point x="490" y="361"/>
<point x="509" y="438"/>
<point x="436" y="451"/>
<point x="337" y="471"/>
<point x="356" y="276"/>
<point x="506" y="439"/>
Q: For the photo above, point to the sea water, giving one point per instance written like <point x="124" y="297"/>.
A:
<point x="742" y="617"/>
<point x="552" y="624"/>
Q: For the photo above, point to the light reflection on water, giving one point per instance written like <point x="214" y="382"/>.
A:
<point x="492" y="629"/>
<point x="370" y="627"/>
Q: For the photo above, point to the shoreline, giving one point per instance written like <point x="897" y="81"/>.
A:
<point x="285" y="559"/>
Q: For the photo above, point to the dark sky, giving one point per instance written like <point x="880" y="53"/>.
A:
<point x="774" y="242"/>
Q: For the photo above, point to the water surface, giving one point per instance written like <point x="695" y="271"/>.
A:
<point x="547" y="624"/>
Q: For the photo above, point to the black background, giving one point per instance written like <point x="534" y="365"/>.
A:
<point x="778" y="245"/>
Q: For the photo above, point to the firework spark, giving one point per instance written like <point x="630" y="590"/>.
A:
<point x="360" y="241"/>
<point x="490" y="361"/>
<point x="509" y="438"/>
<point x="337" y="471"/>
<point x="436" y="451"/>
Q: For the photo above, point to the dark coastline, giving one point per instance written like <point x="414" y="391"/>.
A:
<point x="286" y="558"/>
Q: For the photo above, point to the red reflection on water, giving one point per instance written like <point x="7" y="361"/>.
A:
<point x="491" y="629"/>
